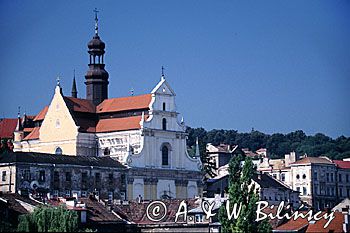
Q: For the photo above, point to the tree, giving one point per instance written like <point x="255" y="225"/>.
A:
<point x="242" y="190"/>
<point x="49" y="219"/>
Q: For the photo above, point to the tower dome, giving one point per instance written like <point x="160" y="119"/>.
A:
<point x="96" y="44"/>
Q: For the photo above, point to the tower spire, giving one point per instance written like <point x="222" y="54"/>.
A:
<point x="197" y="148"/>
<point x="96" y="77"/>
<point x="163" y="76"/>
<point x="74" y="87"/>
<point x="96" y="21"/>
<point x="19" y="123"/>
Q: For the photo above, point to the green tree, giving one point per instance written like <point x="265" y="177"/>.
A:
<point x="49" y="219"/>
<point x="242" y="190"/>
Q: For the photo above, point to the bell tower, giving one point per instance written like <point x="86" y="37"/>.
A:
<point x="96" y="77"/>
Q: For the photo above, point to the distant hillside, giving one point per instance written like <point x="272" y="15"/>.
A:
<point x="277" y="144"/>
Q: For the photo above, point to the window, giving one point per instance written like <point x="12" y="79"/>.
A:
<point x="348" y="192"/>
<point x="304" y="176"/>
<point x="4" y="176"/>
<point x="340" y="178"/>
<point x="56" y="176"/>
<point x="298" y="177"/>
<point x="42" y="176"/>
<point x="106" y="151"/>
<point x="84" y="193"/>
<point x="58" y="124"/>
<point x="274" y="176"/>
<point x="316" y="189"/>
<point x="26" y="175"/>
<point x="68" y="176"/>
<point x="97" y="178"/>
<point x="283" y="177"/>
<point x="199" y="218"/>
<point x="304" y="191"/>
<point x="110" y="178"/>
<point x="298" y="189"/>
<point x="165" y="156"/>
<point x="67" y="193"/>
<point x="55" y="193"/>
<point x="327" y="175"/>
<point x="163" y="106"/>
<point x="347" y="177"/>
<point x="340" y="192"/>
<point x="315" y="175"/>
<point x="84" y="177"/>
<point x="332" y="177"/>
<point x="164" y="124"/>
<point x="58" y="151"/>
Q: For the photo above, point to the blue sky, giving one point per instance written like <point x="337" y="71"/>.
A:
<point x="277" y="66"/>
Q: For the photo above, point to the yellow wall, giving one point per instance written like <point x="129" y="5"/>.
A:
<point x="58" y="128"/>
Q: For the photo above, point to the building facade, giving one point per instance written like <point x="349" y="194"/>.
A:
<point x="142" y="132"/>
<point x="62" y="176"/>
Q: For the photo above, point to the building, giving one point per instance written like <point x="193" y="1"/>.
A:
<point x="221" y="154"/>
<point x="268" y="188"/>
<point x="142" y="132"/>
<point x="315" y="179"/>
<point x="62" y="176"/>
<point x="279" y="168"/>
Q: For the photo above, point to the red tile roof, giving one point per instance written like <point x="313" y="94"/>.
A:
<point x="124" y="103"/>
<point x="342" y="164"/>
<point x="118" y="124"/>
<point x="28" y="130"/>
<point x="314" y="160"/>
<point x="41" y="115"/>
<point x="136" y="212"/>
<point x="33" y="135"/>
<point x="80" y="105"/>
<point x="336" y="225"/>
<point x="7" y="127"/>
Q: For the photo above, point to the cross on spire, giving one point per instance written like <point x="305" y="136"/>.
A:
<point x="96" y="21"/>
<point x="162" y="71"/>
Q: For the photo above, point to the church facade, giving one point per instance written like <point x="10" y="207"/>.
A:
<point x="142" y="132"/>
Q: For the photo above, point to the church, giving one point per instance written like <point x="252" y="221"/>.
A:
<point x="142" y="132"/>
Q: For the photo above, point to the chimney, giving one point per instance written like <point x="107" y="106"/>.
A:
<point x="346" y="213"/>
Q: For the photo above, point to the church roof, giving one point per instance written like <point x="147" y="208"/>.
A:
<point x="80" y="105"/>
<point x="7" y="127"/>
<point x="41" y="115"/>
<point x="118" y="124"/>
<point x="124" y="103"/>
<point x="34" y="134"/>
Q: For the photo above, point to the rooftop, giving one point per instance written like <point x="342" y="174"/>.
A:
<point x="32" y="157"/>
<point x="7" y="127"/>
<point x="313" y="160"/>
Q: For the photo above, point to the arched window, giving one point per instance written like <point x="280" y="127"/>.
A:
<point x="164" y="124"/>
<point x="165" y="156"/>
<point x="58" y="151"/>
<point x="106" y="151"/>
<point x="163" y="106"/>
